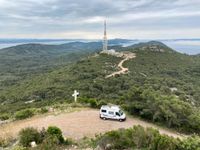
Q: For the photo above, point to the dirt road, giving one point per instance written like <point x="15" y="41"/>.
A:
<point x="123" y="70"/>
<point x="77" y="124"/>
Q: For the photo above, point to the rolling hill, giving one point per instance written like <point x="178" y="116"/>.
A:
<point x="20" y="61"/>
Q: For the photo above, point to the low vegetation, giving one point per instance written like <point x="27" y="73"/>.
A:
<point x="56" y="132"/>
<point x="23" y="61"/>
<point x="6" y="142"/>
<point x="23" y="114"/>
<point x="29" y="135"/>
<point x="50" y="139"/>
<point x="136" y="138"/>
<point x="141" y="138"/>
<point x="4" y="116"/>
<point x="168" y="110"/>
<point x="93" y="103"/>
<point x="53" y="108"/>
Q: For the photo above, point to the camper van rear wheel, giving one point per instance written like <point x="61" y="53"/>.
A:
<point x="120" y="120"/>
<point x="104" y="118"/>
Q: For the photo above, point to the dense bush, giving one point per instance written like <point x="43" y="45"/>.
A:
<point x="3" y="142"/>
<point x="141" y="138"/>
<point x="23" y="114"/>
<point x="137" y="138"/>
<point x="18" y="147"/>
<point x="101" y="103"/>
<point x="55" y="132"/>
<point x="6" y="141"/>
<point x="49" y="143"/>
<point x="43" y="110"/>
<point x="83" y="100"/>
<point x="29" y="135"/>
<point x="50" y="139"/>
<point x="93" y="103"/>
<point x="191" y="143"/>
<point x="52" y="143"/>
<point x="4" y="117"/>
<point x="168" y="110"/>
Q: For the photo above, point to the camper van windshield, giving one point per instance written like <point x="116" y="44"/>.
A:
<point x="120" y="112"/>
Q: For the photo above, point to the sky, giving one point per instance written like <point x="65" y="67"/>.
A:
<point x="83" y="19"/>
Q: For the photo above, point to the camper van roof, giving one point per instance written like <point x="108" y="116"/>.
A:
<point x="110" y="107"/>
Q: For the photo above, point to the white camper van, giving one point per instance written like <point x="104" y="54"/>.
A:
<point x="112" y="112"/>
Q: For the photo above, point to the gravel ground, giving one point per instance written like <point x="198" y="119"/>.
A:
<point x="78" y="124"/>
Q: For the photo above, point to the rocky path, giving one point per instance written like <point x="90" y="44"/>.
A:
<point x="123" y="70"/>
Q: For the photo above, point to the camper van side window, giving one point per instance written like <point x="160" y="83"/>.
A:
<point x="111" y="113"/>
<point x="104" y="111"/>
<point x="117" y="114"/>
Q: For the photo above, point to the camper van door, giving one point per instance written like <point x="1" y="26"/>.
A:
<point x="117" y="115"/>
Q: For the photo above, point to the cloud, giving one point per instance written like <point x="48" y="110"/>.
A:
<point x="70" y="18"/>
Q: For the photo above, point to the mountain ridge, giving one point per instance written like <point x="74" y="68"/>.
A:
<point x="152" y="46"/>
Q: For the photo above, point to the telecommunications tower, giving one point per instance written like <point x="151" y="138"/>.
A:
<point x="105" y="41"/>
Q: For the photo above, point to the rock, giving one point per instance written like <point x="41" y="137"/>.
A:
<point x="98" y="148"/>
<point x="51" y="109"/>
<point x="5" y="121"/>
<point x="173" y="89"/>
<point x="108" y="147"/>
<point x="33" y="144"/>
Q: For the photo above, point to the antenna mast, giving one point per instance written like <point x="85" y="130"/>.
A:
<point x="105" y="41"/>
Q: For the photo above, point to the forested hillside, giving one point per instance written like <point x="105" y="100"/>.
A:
<point x="162" y="85"/>
<point x="18" y="62"/>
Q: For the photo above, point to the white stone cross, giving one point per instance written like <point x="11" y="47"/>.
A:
<point x="75" y="95"/>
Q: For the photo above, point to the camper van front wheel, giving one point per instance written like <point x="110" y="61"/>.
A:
<point x="120" y="120"/>
<point x="104" y="118"/>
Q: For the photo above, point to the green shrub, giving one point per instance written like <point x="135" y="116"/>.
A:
<point x="17" y="147"/>
<point x="55" y="131"/>
<point x="83" y="100"/>
<point x="102" y="102"/>
<point x="23" y="114"/>
<point x="27" y="135"/>
<point x="6" y="141"/>
<point x="43" y="110"/>
<point x="50" y="143"/>
<point x="191" y="143"/>
<point x="167" y="110"/>
<point x="50" y="139"/>
<point x="93" y="103"/>
<point x="137" y="137"/>
<point x="3" y="142"/>
<point x="166" y="143"/>
<point x="68" y="141"/>
<point x="4" y="117"/>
